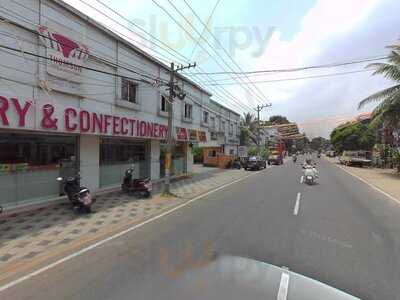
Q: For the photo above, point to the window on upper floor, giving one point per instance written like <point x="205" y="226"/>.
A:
<point x="163" y="104"/>
<point x="188" y="111"/>
<point x="212" y="121"/>
<point x="231" y="128"/>
<point x="222" y="127"/>
<point x="205" y="117"/>
<point x="129" y="90"/>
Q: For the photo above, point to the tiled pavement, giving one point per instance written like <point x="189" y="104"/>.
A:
<point x="26" y="235"/>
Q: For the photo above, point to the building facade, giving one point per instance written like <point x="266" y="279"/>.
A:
<point x="224" y="133"/>
<point x="76" y="97"/>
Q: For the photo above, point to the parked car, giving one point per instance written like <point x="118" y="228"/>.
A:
<point x="358" y="158"/>
<point x="255" y="163"/>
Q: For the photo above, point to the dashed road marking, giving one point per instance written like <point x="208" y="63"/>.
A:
<point x="283" y="287"/>
<point x="297" y="205"/>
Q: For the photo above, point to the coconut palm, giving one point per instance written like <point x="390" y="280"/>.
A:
<point x="248" y="129"/>
<point x="388" y="110"/>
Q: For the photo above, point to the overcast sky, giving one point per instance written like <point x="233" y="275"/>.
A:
<point x="274" y="34"/>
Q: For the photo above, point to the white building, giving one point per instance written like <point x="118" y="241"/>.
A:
<point x="224" y="129"/>
<point x="57" y="118"/>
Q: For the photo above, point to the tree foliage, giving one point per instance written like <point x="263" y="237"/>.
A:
<point x="318" y="143"/>
<point x="353" y="136"/>
<point x="248" y="129"/>
<point x="388" y="110"/>
<point x="277" y="120"/>
<point x="302" y="144"/>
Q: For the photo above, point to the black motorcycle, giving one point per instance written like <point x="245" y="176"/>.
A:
<point x="79" y="196"/>
<point x="139" y="187"/>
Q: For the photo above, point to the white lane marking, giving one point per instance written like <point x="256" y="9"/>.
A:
<point x="370" y="184"/>
<point x="283" y="287"/>
<point x="297" y="205"/>
<point x="101" y="242"/>
<point x="302" y="179"/>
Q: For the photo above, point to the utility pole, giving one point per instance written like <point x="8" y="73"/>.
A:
<point x="170" y="138"/>
<point x="259" y="109"/>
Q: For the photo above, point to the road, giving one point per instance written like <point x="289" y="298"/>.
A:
<point x="342" y="233"/>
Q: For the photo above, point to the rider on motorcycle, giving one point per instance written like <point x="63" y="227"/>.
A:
<point x="309" y="169"/>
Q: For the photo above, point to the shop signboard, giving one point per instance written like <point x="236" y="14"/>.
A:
<point x="65" y="56"/>
<point x="16" y="113"/>
<point x="242" y="151"/>
<point x="181" y="134"/>
<point x="193" y="135"/>
<point x="202" y="136"/>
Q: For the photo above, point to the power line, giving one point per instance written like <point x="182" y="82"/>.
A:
<point x="91" y="54"/>
<point x="85" y="83"/>
<point x="127" y="28"/>
<point x="89" y="38"/>
<point x="331" y="65"/>
<point x="229" y="95"/>
<point x="130" y="22"/>
<point x="116" y="31"/>
<point x="223" y="48"/>
<point x="297" y="78"/>
<point x="189" y="34"/>
<point x="204" y="29"/>
<point x="74" y="65"/>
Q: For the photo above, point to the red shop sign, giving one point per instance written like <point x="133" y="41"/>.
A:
<point x="78" y="121"/>
<point x="181" y="134"/>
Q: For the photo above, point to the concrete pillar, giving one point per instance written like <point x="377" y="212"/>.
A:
<point x="89" y="154"/>
<point x="189" y="159"/>
<point x="155" y="159"/>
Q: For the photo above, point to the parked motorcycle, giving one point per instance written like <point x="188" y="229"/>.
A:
<point x="79" y="196"/>
<point x="140" y="187"/>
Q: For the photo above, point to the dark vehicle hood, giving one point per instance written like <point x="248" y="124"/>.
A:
<point x="230" y="278"/>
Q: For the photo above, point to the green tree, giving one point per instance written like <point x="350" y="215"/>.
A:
<point x="248" y="129"/>
<point x="353" y="136"/>
<point x="302" y="143"/>
<point x="197" y="154"/>
<point x="318" y="143"/>
<point x="276" y="120"/>
<point x="388" y="110"/>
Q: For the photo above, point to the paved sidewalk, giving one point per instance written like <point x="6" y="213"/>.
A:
<point x="29" y="235"/>
<point x="387" y="180"/>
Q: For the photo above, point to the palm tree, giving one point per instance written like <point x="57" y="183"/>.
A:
<point x="248" y="129"/>
<point x="388" y="110"/>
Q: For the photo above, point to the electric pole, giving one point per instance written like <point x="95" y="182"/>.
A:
<point x="170" y="138"/>
<point x="259" y="109"/>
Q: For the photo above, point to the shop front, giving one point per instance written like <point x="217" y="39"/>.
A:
<point x="40" y="141"/>
<point x="30" y="164"/>
<point x="117" y="155"/>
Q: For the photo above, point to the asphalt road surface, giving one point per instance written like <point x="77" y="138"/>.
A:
<point x="341" y="232"/>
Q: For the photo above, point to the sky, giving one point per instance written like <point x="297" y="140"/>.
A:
<point x="268" y="34"/>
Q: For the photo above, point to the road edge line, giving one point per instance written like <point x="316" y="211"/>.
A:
<point x="119" y="234"/>
<point x="370" y="184"/>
